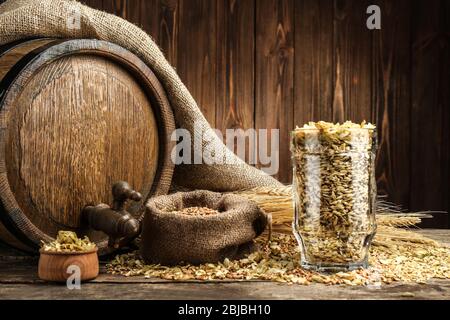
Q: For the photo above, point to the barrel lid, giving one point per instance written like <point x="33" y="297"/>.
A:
<point x="79" y="116"/>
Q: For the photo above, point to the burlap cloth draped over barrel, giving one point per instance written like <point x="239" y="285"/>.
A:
<point x="21" y="19"/>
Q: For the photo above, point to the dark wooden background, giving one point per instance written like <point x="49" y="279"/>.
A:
<point x="279" y="63"/>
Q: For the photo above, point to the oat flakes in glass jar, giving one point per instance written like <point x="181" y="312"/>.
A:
<point x="334" y="194"/>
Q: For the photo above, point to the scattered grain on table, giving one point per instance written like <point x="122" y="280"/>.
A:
<point x="390" y="260"/>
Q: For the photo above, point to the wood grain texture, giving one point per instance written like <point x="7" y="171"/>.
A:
<point x="396" y="76"/>
<point x="197" y="52"/>
<point x="79" y="139"/>
<point x="235" y="67"/>
<point x="391" y="107"/>
<point x="19" y="279"/>
<point x="13" y="55"/>
<point x="54" y="266"/>
<point x="160" y="19"/>
<point x="434" y="290"/>
<point x="430" y="104"/>
<point x="96" y="4"/>
<point x="352" y="58"/>
<point x="445" y="100"/>
<point x="116" y="7"/>
<point x="83" y="115"/>
<point x="314" y="66"/>
<point x="274" y="78"/>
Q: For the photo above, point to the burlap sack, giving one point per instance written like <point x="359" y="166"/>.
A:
<point x="169" y="238"/>
<point x="20" y="19"/>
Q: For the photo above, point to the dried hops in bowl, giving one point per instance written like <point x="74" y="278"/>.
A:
<point x="67" y="242"/>
<point x="334" y="193"/>
<point x="59" y="258"/>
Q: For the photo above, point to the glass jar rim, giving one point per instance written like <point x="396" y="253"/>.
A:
<point x="317" y="129"/>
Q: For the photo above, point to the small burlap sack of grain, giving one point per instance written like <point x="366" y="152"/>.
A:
<point x="175" y="229"/>
<point x="23" y="19"/>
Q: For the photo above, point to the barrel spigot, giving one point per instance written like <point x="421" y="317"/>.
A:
<point x="115" y="221"/>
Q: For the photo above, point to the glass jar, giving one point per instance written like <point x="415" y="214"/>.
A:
<point x="334" y="194"/>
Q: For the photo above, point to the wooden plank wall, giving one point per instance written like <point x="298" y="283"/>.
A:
<point x="278" y="63"/>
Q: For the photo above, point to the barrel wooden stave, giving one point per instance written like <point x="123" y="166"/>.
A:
<point x="76" y="116"/>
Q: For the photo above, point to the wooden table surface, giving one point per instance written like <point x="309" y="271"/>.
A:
<point x="18" y="280"/>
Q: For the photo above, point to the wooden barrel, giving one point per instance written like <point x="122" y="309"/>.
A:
<point x="75" y="117"/>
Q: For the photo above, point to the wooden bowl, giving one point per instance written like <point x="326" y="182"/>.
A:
<point x="53" y="266"/>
